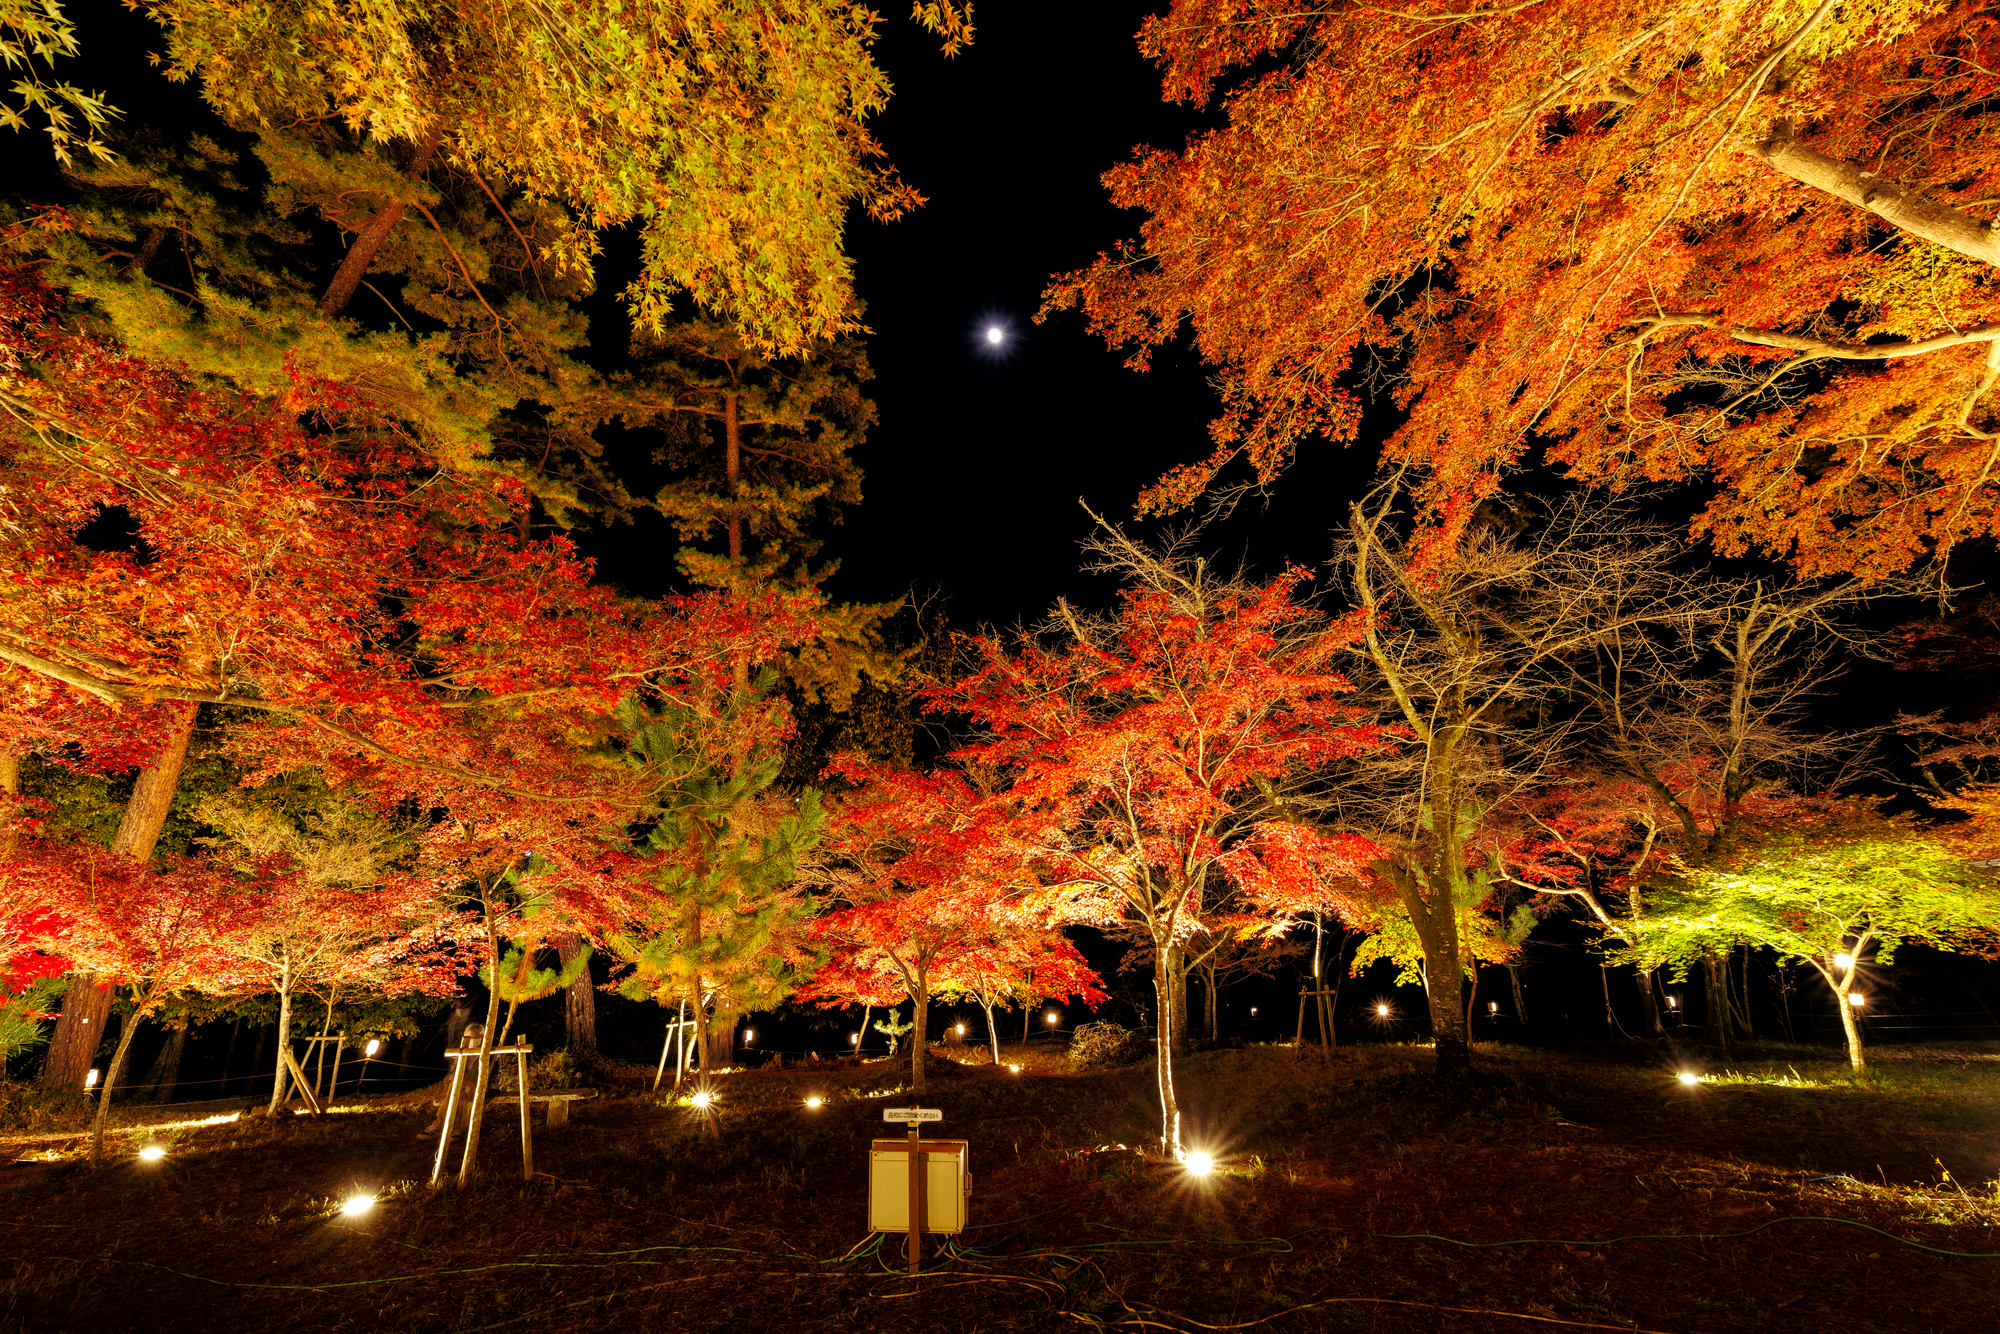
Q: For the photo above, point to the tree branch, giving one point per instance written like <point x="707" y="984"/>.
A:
<point x="1940" y="224"/>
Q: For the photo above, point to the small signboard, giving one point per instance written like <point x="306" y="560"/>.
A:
<point x="912" y="1114"/>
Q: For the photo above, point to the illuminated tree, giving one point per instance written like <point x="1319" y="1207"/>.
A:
<point x="1827" y="890"/>
<point x="1746" y="244"/>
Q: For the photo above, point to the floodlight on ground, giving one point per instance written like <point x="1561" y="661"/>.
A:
<point x="815" y="1102"/>
<point x="1382" y="1011"/>
<point x="1015" y="1068"/>
<point x="1856" y="999"/>
<point x="702" y="1099"/>
<point x="152" y="1153"/>
<point x="1200" y="1164"/>
<point x="961" y="1029"/>
<point x="355" y="1205"/>
<point x="1690" y="1077"/>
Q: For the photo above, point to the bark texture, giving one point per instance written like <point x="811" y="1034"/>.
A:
<point x="579" y="1000"/>
<point x="368" y="240"/>
<point x="1937" y="223"/>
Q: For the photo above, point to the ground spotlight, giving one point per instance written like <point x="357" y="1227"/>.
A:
<point x="702" y="1099"/>
<point x="815" y="1102"/>
<point x="1200" y="1164"/>
<point x="356" y="1205"/>
<point x="1690" y="1077"/>
<point x="152" y="1153"/>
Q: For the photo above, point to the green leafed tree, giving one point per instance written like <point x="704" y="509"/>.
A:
<point x="1841" y="891"/>
<point x="725" y="848"/>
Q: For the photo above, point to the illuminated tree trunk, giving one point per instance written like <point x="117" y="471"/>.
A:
<point x="579" y="1000"/>
<point x="920" y="1012"/>
<point x="368" y="240"/>
<point x="1163" y="1049"/>
<point x="125" y="1037"/>
<point x="992" y="1033"/>
<point x="1715" y="986"/>
<point x="1177" y="970"/>
<point x="281" y="1073"/>
<point x="86" y="1005"/>
<point x="1849" y="1027"/>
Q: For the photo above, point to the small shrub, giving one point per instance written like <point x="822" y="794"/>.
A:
<point x="35" y="1109"/>
<point x="1100" y="1046"/>
<point x="565" y="1069"/>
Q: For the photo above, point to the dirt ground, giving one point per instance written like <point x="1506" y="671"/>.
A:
<point x="1584" y="1189"/>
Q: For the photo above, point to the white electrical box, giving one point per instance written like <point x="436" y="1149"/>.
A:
<point x="945" y="1183"/>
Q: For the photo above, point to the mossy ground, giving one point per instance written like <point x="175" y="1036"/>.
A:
<point x="642" y="1218"/>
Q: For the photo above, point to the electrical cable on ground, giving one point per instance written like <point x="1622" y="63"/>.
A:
<point x="1688" y="1236"/>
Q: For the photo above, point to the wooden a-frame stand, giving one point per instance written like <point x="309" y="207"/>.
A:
<point x="519" y="1051"/>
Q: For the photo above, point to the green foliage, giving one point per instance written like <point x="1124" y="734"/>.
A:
<point x="1823" y="886"/>
<point x="21" y="1018"/>
<point x="519" y="983"/>
<point x="33" y="33"/>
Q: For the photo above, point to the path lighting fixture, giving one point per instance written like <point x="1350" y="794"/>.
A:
<point x="854" y="1039"/>
<point x="1015" y="1068"/>
<point x="1052" y="1018"/>
<point x="374" y="1045"/>
<point x="355" y="1205"/>
<point x="90" y="1080"/>
<point x="1382" y="1011"/>
<point x="749" y="1035"/>
<point x="1492" y="1007"/>
<point x="1856" y="999"/>
<point x="961" y="1030"/>
<point x="1673" y="1002"/>
<point x="815" y="1102"/>
<point x="152" y="1153"/>
<point x="1199" y="1164"/>
<point x="1843" y="961"/>
<point x="1690" y="1077"/>
<point x="1253" y="1012"/>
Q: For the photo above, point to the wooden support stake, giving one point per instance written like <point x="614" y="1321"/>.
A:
<point x="333" y="1085"/>
<point x="450" y="1114"/>
<point x="521" y="1091"/>
<point x="305" y="1088"/>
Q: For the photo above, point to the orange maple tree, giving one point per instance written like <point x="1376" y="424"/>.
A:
<point x="1748" y="245"/>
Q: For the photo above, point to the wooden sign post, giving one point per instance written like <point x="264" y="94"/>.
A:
<point x="915" y="1117"/>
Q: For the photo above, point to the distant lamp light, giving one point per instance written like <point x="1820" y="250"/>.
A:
<point x="1673" y="1002"/>
<point x="1199" y="1164"/>
<point x="815" y="1102"/>
<point x="1015" y="1068"/>
<point x="960" y="1029"/>
<point x="1843" y="961"/>
<point x="355" y="1205"/>
<point x="374" y="1045"/>
<point x="1382" y="1011"/>
<point x="995" y="335"/>
<point x="1492" y="1007"/>
<point x="90" y="1080"/>
<point x="749" y="1035"/>
<point x="1052" y="1017"/>
<point x="1690" y="1077"/>
<point x="854" y="1039"/>
<point x="152" y="1153"/>
<point x="1253" y="1012"/>
<point x="1856" y="999"/>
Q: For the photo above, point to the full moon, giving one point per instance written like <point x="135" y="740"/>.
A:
<point x="995" y="335"/>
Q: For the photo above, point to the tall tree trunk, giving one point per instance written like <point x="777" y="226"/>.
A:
<point x="1715" y="980"/>
<point x="280" y="1073"/>
<point x="80" y="1025"/>
<point x="920" y="1018"/>
<point x="722" y="1040"/>
<point x="1649" y="1005"/>
<point x="1520" y="995"/>
<point x="1851" y="1029"/>
<point x="165" y="1075"/>
<point x="228" y="1059"/>
<point x="125" y="1037"/>
<point x="1743" y="1010"/>
<point x="1163" y="1052"/>
<point x="992" y="1033"/>
<point x="470" y="1164"/>
<point x="368" y="240"/>
<point x="861" y="1037"/>
<point x="579" y="999"/>
<point x="1027" y="1021"/>
<point x="1178" y="969"/>
<point x="732" y="436"/>
<point x="701" y="1028"/>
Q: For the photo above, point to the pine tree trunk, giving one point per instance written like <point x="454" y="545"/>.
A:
<point x="722" y="1042"/>
<point x="80" y="1027"/>
<point x="165" y="1075"/>
<point x="368" y="240"/>
<point x="1520" y="995"/>
<point x="579" y="1000"/>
